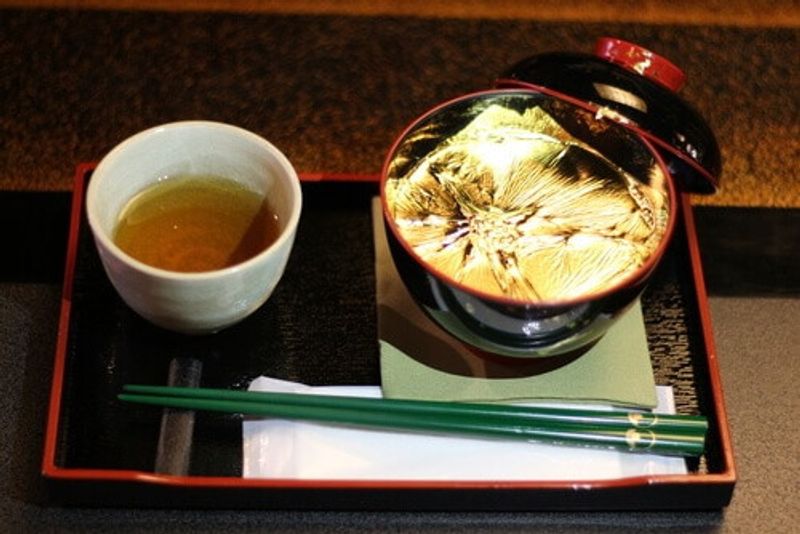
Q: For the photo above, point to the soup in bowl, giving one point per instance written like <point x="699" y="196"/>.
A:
<point x="524" y="225"/>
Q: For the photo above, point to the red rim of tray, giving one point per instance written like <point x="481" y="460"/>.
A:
<point x="51" y="470"/>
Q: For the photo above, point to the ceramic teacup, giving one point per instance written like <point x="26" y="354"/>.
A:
<point x="193" y="302"/>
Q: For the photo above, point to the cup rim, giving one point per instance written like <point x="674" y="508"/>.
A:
<point x="108" y="243"/>
<point x="626" y="282"/>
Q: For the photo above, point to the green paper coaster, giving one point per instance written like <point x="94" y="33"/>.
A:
<point x="419" y="360"/>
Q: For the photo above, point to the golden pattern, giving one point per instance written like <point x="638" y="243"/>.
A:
<point x="513" y="205"/>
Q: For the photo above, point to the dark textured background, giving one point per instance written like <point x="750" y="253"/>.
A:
<point x="332" y="92"/>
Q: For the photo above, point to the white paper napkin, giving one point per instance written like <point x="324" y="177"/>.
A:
<point x="277" y="448"/>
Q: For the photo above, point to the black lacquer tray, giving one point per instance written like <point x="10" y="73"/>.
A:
<point x="319" y="327"/>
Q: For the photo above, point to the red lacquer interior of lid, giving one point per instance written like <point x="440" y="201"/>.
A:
<point x="641" y="61"/>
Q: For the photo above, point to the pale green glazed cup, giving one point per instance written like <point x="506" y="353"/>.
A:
<point x="205" y="302"/>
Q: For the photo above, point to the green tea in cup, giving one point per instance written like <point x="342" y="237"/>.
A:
<point x="196" y="223"/>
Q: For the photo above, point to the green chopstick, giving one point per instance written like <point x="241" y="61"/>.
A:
<point x="620" y="419"/>
<point x="428" y="416"/>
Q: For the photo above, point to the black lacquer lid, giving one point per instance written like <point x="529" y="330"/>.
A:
<point x="637" y="88"/>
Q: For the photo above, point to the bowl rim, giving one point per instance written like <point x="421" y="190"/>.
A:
<point x="640" y="274"/>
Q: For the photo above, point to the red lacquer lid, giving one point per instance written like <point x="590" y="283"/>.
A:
<point x="641" y="61"/>
<point x="631" y="85"/>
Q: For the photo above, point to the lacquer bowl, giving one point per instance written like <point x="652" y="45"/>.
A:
<point x="522" y="224"/>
